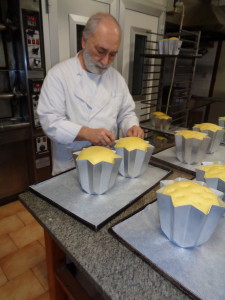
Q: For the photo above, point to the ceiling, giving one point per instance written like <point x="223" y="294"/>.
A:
<point x="205" y="15"/>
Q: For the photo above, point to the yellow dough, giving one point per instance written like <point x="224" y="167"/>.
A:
<point x="162" y="138"/>
<point x="191" y="193"/>
<point x="157" y="113"/>
<point x="208" y="126"/>
<point x="133" y="143"/>
<point x="160" y="115"/>
<point x="189" y="134"/>
<point x="97" y="154"/>
<point x="214" y="171"/>
<point x="222" y="118"/>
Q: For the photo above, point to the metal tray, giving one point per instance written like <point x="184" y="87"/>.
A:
<point x="95" y="211"/>
<point x="169" y="158"/>
<point x="198" y="271"/>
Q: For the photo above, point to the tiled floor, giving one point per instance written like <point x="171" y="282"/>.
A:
<point x="23" y="273"/>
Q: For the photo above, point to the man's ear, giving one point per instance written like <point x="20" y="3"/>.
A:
<point x="83" y="42"/>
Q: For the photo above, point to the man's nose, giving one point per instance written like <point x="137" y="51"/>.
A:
<point x="105" y="59"/>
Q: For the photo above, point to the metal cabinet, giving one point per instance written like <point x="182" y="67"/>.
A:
<point x="24" y="149"/>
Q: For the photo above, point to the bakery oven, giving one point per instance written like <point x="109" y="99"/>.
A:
<point x="24" y="148"/>
<point x="33" y="47"/>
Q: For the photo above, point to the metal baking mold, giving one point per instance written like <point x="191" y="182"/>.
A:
<point x="222" y="124"/>
<point x="190" y="151"/>
<point x="99" y="178"/>
<point x="160" y="124"/>
<point x="135" y="162"/>
<point x="215" y="183"/>
<point x="186" y="225"/>
<point x="216" y="138"/>
<point x="169" y="46"/>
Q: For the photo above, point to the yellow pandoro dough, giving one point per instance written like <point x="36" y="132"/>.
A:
<point x="189" y="134"/>
<point x="133" y="143"/>
<point x="162" y="138"/>
<point x="191" y="193"/>
<point x="157" y="113"/>
<point x="160" y="115"/>
<point x="222" y="118"/>
<point x="214" y="171"/>
<point x="208" y="126"/>
<point x="97" y="154"/>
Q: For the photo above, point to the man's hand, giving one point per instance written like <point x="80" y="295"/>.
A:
<point x="135" y="131"/>
<point x="99" y="136"/>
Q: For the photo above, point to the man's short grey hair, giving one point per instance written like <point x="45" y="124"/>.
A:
<point x="93" y="22"/>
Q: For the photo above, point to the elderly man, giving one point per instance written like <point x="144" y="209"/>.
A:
<point x="84" y="100"/>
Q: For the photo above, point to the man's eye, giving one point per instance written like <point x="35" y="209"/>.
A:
<point x="112" y="54"/>
<point x="101" y="52"/>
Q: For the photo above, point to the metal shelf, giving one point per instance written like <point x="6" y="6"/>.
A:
<point x="172" y="91"/>
<point x="161" y="56"/>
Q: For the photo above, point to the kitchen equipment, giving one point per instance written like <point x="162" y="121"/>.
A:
<point x="168" y="157"/>
<point x="97" y="178"/>
<point x="216" y="138"/>
<point x="221" y="122"/>
<point x="134" y="162"/>
<point x="214" y="182"/>
<point x="160" y="123"/>
<point x="96" y="210"/>
<point x="191" y="150"/>
<point x="198" y="271"/>
<point x="186" y="225"/>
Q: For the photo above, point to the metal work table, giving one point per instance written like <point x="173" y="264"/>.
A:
<point x="111" y="269"/>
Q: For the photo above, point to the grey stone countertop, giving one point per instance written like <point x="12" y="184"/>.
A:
<point x="115" y="271"/>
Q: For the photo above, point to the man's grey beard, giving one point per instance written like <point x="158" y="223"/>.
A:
<point x="92" y="65"/>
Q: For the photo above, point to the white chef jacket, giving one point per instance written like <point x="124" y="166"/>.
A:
<point x="71" y="98"/>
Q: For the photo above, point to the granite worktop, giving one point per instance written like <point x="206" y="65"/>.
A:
<point x="114" y="270"/>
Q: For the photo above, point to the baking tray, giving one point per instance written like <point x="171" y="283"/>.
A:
<point x="172" y="129"/>
<point x="95" y="211"/>
<point x="169" y="158"/>
<point x="199" y="272"/>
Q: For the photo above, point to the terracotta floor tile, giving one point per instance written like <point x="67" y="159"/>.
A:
<point x="9" y="224"/>
<point x="42" y="241"/>
<point x="25" y="258"/>
<point x="40" y="271"/>
<point x="11" y="209"/>
<point x="27" y="234"/>
<point x="3" y="278"/>
<point x="25" y="217"/>
<point x="6" y="245"/>
<point x="25" y="286"/>
<point x="45" y="296"/>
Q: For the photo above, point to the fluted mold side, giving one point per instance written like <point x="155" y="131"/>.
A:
<point x="135" y="162"/>
<point x="190" y="151"/>
<point x="187" y="226"/>
<point x="98" y="178"/>
<point x="216" y="138"/>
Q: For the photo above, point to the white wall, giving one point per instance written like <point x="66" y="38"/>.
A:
<point x="203" y="74"/>
<point x="56" y="21"/>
